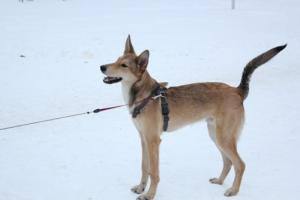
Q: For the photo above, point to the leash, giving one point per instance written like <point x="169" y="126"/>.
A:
<point x="157" y="92"/>
<point x="63" y="117"/>
<point x="73" y="115"/>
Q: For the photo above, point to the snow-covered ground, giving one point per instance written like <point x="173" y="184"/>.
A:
<point x="97" y="157"/>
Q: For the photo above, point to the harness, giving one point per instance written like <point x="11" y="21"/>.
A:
<point x="158" y="92"/>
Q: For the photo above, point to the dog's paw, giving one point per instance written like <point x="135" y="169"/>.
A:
<point x="216" y="181"/>
<point x="144" y="197"/>
<point x="139" y="189"/>
<point x="231" y="192"/>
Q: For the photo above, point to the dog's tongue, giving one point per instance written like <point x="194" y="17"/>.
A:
<point x="107" y="79"/>
<point x="111" y="80"/>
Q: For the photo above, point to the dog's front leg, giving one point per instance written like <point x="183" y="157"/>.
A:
<point x="152" y="144"/>
<point x="145" y="168"/>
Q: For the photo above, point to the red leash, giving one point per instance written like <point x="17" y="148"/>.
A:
<point x="107" y="108"/>
<point x="78" y="114"/>
<point x="62" y="117"/>
<point x="73" y="115"/>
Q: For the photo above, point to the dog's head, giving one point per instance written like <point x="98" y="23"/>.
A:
<point x="128" y="67"/>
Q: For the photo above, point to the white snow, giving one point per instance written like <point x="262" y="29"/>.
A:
<point x="98" y="156"/>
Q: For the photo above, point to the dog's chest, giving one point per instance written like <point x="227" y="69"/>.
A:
<point x="126" y="92"/>
<point x="126" y="95"/>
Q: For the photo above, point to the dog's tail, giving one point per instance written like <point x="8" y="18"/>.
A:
<point x="252" y="65"/>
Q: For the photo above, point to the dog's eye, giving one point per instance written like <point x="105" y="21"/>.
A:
<point x="124" y="65"/>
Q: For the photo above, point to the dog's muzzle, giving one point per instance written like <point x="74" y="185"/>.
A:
<point x="109" y="79"/>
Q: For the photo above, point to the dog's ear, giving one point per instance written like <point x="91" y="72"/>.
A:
<point x="143" y="59"/>
<point x="128" y="46"/>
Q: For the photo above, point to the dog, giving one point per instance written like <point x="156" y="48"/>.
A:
<point x="219" y="104"/>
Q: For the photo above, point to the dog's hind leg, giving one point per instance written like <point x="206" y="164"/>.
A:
<point x="226" y="169"/>
<point x="211" y="125"/>
<point x="239" y="168"/>
<point x="145" y="169"/>
<point x="226" y="138"/>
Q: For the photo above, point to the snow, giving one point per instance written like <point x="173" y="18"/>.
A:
<point x="98" y="156"/>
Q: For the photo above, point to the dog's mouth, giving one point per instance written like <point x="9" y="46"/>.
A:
<point x="111" y="80"/>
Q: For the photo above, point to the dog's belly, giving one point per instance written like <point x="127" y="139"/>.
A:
<point x="180" y="121"/>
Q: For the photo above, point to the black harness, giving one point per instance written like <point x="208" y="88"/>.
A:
<point x="158" y="92"/>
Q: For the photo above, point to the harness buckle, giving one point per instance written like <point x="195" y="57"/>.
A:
<point x="157" y="96"/>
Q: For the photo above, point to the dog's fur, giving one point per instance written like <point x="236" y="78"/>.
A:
<point x="219" y="104"/>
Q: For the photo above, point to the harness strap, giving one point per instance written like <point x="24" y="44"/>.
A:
<point x="158" y="92"/>
<point x="137" y="109"/>
<point x="164" y="107"/>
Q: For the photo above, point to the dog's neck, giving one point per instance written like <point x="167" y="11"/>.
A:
<point x="138" y="90"/>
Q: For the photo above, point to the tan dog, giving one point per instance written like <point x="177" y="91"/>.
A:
<point x="219" y="104"/>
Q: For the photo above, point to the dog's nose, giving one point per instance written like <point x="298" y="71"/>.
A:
<point x="103" y="68"/>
